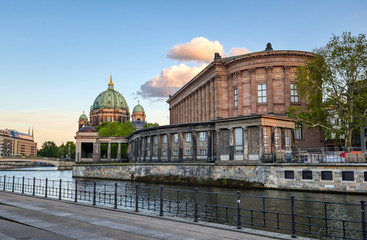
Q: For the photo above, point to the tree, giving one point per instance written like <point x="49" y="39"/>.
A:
<point x="147" y="125"/>
<point x="334" y="84"/>
<point x="49" y="149"/>
<point x="116" y="129"/>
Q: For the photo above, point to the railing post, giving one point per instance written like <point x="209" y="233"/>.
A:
<point x="363" y="220"/>
<point x="94" y="193"/>
<point x="115" y="207"/>
<point x="60" y="189"/>
<point x="76" y="191"/>
<point x="161" y="202"/>
<point x="293" y="235"/>
<point x="13" y="185"/>
<point x="23" y="185"/>
<point x="136" y="198"/>
<point x="196" y="205"/>
<point x="4" y="182"/>
<point x="239" y="224"/>
<point x="46" y="188"/>
<point x="34" y="186"/>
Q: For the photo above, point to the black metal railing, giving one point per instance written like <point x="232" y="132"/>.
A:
<point x="297" y="217"/>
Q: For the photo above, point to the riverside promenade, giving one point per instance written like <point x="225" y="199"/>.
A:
<point x="25" y="217"/>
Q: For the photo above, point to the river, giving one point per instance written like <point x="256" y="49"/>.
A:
<point x="218" y="204"/>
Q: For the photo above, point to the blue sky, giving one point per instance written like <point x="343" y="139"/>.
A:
<point x="56" y="56"/>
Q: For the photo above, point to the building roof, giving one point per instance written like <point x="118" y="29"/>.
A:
<point x="87" y="129"/>
<point x="110" y="98"/>
<point x="83" y="116"/>
<point x="138" y="108"/>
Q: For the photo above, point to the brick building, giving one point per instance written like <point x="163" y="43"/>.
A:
<point x="254" y="83"/>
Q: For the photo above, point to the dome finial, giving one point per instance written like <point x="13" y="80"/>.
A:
<point x="110" y="85"/>
<point x="138" y="102"/>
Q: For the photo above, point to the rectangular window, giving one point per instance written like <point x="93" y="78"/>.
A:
<point x="266" y="139"/>
<point x="238" y="138"/>
<point x="148" y="152"/>
<point x="202" y="151"/>
<point x="276" y="138"/>
<point x="298" y="131"/>
<point x="188" y="152"/>
<point x="288" y="174"/>
<point x="365" y="176"/>
<point x="287" y="139"/>
<point x="307" y="175"/>
<point x="326" y="175"/>
<point x="294" y="93"/>
<point x="175" y="152"/>
<point x="347" y="175"/>
<point x="188" y="137"/>
<point x="164" y="153"/>
<point x="164" y="139"/>
<point x="202" y="136"/>
<point x="235" y="97"/>
<point x="155" y="139"/>
<point x="175" y="137"/>
<point x="148" y="139"/>
<point x="261" y="93"/>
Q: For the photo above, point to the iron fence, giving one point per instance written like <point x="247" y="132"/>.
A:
<point x="298" y="217"/>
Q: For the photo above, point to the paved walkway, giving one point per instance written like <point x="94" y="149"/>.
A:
<point x="25" y="217"/>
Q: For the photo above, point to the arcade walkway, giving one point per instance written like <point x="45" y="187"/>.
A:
<point x="24" y="217"/>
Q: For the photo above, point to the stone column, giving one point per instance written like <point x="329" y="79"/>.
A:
<point x="180" y="147"/>
<point x="230" y="93"/>
<point x="269" y="88"/>
<point x="119" y="151"/>
<point x="159" y="153"/>
<point x="212" y="101"/>
<point x="287" y="88"/>
<point x="151" y="148"/>
<point x="206" y="116"/>
<point x="209" y="145"/>
<point x="169" y="150"/>
<point x="194" y="146"/>
<point x="245" y="143"/>
<point x="199" y="104"/>
<point x="96" y="149"/>
<point x="253" y="90"/>
<point x="217" y="144"/>
<point x="109" y="152"/>
<point x="240" y="94"/>
<point x="231" y="144"/>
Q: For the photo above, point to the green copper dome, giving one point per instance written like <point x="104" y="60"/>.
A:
<point x="110" y="99"/>
<point x="138" y="108"/>
<point x="83" y="116"/>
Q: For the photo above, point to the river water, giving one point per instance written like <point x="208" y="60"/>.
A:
<point x="259" y="207"/>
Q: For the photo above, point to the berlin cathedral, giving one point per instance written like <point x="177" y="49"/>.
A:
<point x="111" y="106"/>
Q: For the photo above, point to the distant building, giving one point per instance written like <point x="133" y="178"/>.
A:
<point x="138" y="116"/>
<point x="111" y="106"/>
<point x="14" y="143"/>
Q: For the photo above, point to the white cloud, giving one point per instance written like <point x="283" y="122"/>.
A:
<point x="238" y="51"/>
<point x="169" y="81"/>
<point x="199" y="49"/>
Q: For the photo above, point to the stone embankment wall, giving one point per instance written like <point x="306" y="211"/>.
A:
<point x="310" y="177"/>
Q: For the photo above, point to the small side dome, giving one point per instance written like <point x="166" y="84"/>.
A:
<point x="138" y="108"/>
<point x="87" y="129"/>
<point x="83" y="116"/>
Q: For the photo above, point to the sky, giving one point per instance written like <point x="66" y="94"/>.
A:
<point x="56" y="56"/>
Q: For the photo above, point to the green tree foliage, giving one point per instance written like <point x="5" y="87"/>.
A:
<point x="48" y="149"/>
<point x="116" y="128"/>
<point x="334" y="84"/>
<point x="147" y="125"/>
<point x="66" y="149"/>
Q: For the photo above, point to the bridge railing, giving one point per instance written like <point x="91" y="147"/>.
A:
<point x="296" y="217"/>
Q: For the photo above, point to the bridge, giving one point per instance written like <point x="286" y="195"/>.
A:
<point x="60" y="164"/>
